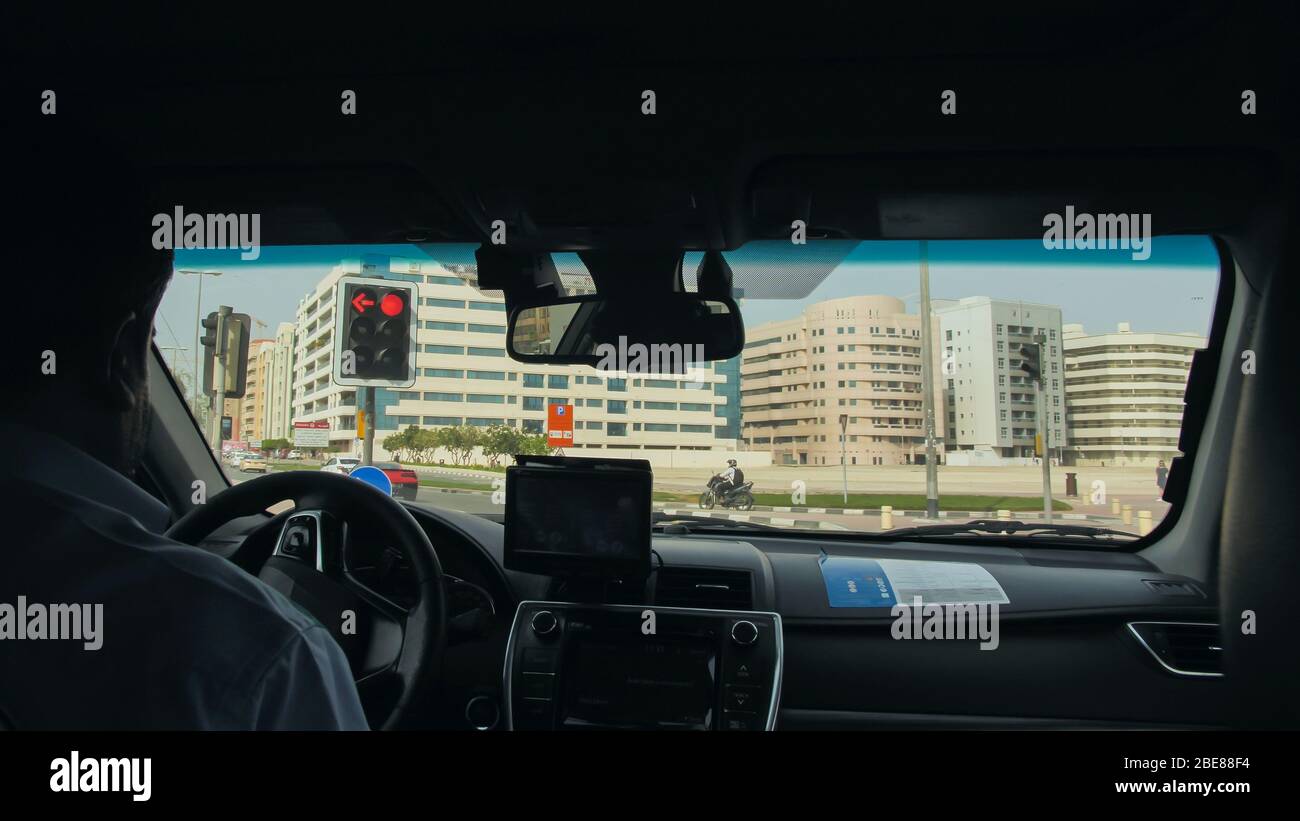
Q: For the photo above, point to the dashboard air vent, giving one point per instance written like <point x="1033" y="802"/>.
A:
<point x="704" y="588"/>
<point x="1182" y="648"/>
<point x="1173" y="589"/>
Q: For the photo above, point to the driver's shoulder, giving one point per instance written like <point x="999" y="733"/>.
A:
<point x="113" y="558"/>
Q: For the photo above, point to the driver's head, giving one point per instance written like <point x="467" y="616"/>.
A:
<point x="731" y="463"/>
<point x="83" y="288"/>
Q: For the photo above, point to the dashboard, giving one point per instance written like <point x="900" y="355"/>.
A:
<point x="1087" y="639"/>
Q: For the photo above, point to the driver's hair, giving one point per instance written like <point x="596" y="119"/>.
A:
<point x="80" y="233"/>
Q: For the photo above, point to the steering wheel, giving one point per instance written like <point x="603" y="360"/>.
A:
<point x="395" y="651"/>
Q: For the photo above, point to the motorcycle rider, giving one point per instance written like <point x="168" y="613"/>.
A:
<point x="731" y="478"/>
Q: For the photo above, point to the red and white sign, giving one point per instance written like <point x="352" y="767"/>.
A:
<point x="559" y="426"/>
<point x="311" y="434"/>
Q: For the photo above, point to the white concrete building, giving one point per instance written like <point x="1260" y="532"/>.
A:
<point x="279" y="384"/>
<point x="1124" y="394"/>
<point x="857" y="357"/>
<point x="464" y="376"/>
<point x="991" y="403"/>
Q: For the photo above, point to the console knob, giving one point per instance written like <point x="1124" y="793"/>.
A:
<point x="482" y="712"/>
<point x="544" y="623"/>
<point x="744" y="633"/>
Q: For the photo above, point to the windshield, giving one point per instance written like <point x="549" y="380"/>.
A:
<point x="1043" y="367"/>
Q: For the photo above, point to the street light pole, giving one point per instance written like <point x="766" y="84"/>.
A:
<point x="844" y="462"/>
<point x="1045" y="447"/>
<point x="927" y="389"/>
<point x="198" y="315"/>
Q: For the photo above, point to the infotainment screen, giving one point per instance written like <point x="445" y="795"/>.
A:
<point x="578" y="516"/>
<point x="668" y="684"/>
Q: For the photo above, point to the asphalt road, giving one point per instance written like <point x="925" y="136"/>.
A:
<point x="481" y="503"/>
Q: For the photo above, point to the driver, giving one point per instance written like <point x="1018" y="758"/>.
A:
<point x="163" y="635"/>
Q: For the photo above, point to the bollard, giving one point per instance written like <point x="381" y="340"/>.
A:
<point x="886" y="517"/>
<point x="1004" y="515"/>
<point x="1144" y="522"/>
<point x="1126" y="514"/>
<point x="1114" y="507"/>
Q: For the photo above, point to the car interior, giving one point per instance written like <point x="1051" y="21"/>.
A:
<point x="636" y="144"/>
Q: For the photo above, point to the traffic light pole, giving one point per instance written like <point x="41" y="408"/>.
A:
<point x="219" y="377"/>
<point x="1043" y="428"/>
<point x="368" y="442"/>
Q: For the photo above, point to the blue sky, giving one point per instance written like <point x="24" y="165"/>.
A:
<point x="1173" y="290"/>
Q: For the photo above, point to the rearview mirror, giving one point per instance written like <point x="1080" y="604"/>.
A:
<point x="665" y="333"/>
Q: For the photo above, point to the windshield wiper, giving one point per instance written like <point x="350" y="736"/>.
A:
<point x="691" y="524"/>
<point x="999" y="527"/>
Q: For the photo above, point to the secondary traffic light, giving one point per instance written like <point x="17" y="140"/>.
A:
<point x="1029" y="362"/>
<point x="226" y="339"/>
<point x="374" y="343"/>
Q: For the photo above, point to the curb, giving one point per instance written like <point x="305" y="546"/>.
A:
<point x="943" y="514"/>
<point x="807" y="524"/>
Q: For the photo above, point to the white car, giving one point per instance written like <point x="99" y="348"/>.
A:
<point x="294" y="454"/>
<point x="341" y="464"/>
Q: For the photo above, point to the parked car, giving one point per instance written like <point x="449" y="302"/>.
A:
<point x="340" y="464"/>
<point x="294" y="454"/>
<point x="405" y="482"/>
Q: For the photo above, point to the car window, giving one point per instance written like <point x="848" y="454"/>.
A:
<point x="831" y="411"/>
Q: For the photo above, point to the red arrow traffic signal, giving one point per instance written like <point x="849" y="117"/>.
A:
<point x="362" y="301"/>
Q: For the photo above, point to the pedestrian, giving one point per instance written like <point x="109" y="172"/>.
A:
<point x="1162" y="474"/>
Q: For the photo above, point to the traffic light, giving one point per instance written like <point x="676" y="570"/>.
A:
<point x="374" y="343"/>
<point x="231" y="346"/>
<point x="1029" y="362"/>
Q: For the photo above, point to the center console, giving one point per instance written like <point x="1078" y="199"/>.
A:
<point x="600" y="666"/>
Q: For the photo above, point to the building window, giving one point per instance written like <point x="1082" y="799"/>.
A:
<point x="498" y="376"/>
<point x="487" y="352"/>
<point x="439" y="396"/>
<point x="533" y="403"/>
<point x="442" y="420"/>
<point x="557" y="381"/>
<point x="445" y="373"/>
<point x="533" y="380"/>
<point x="432" y="302"/>
<point x="478" y="328"/>
<point x="616" y="429"/>
<point x="455" y="350"/>
<point x="486" y="306"/>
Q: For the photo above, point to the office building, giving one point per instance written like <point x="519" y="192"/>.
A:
<point x="465" y="377"/>
<point x="991" y="403"/>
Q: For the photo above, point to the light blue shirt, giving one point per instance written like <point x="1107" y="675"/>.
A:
<point x="188" y="640"/>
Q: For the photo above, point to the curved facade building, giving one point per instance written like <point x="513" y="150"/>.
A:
<point x="854" y="357"/>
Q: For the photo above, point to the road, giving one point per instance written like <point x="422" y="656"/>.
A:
<point x="480" y="503"/>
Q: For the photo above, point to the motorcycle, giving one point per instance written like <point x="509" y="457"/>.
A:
<point x="739" y="498"/>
